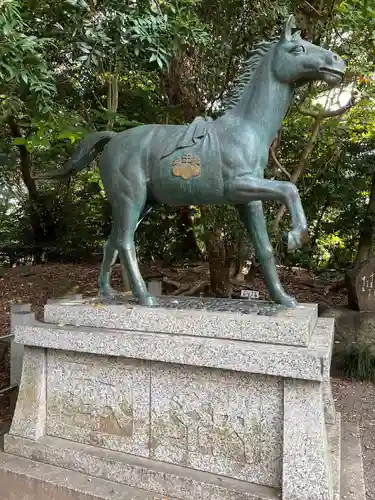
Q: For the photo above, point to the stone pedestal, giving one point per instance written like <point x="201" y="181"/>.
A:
<point x="196" y="399"/>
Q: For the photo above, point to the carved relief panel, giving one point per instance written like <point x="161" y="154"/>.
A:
<point x="218" y="421"/>
<point x="99" y="401"/>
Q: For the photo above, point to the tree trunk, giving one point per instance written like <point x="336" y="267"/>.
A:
<point x="25" y="168"/>
<point x="219" y="263"/>
<point x="25" y="162"/>
<point x="318" y="222"/>
<point x="179" y="95"/>
<point x="365" y="244"/>
<point x="252" y="273"/>
<point x="240" y="255"/>
<point x="112" y="97"/>
<point x="185" y="226"/>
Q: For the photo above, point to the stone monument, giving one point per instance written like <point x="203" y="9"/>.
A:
<point x="355" y="323"/>
<point x="361" y="287"/>
<point x="206" y="399"/>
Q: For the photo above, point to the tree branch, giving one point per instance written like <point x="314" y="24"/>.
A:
<point x="319" y="116"/>
<point x="313" y="8"/>
<point x="278" y="164"/>
<point x="332" y="160"/>
<point x="300" y="166"/>
<point x="314" y="113"/>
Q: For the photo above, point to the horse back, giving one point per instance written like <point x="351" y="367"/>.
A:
<point x="190" y="172"/>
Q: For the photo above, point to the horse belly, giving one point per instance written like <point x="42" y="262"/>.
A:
<point x="189" y="176"/>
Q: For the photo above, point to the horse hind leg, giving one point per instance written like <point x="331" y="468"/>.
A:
<point x="125" y="222"/>
<point x="110" y="254"/>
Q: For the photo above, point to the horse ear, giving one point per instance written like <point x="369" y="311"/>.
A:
<point x="289" y="26"/>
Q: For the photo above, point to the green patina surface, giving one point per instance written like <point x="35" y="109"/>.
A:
<point x="137" y="165"/>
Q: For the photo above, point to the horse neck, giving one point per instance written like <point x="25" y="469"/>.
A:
<point x="264" y="102"/>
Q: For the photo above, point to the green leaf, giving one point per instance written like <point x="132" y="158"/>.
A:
<point x="160" y="62"/>
<point x="19" y="141"/>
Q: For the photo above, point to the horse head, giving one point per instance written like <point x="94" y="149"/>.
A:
<point x="297" y="61"/>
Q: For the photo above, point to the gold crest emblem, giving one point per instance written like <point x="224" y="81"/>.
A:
<point x="187" y="166"/>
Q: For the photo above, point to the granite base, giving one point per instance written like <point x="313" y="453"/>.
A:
<point x="24" y="479"/>
<point x="180" y="414"/>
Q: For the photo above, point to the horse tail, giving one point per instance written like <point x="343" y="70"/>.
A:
<point x="87" y="150"/>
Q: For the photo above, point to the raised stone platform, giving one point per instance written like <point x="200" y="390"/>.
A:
<point x="195" y="399"/>
<point x="243" y="319"/>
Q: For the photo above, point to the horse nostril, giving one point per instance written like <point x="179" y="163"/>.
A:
<point x="335" y="57"/>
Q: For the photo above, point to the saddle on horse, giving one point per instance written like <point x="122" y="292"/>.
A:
<point x="190" y="135"/>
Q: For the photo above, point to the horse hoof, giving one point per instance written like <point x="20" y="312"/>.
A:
<point x="284" y="300"/>
<point x="288" y="301"/>
<point x="108" y="292"/>
<point x="148" y="301"/>
<point x="296" y="239"/>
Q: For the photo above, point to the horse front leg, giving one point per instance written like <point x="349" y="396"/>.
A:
<point x="243" y="190"/>
<point x="252" y="217"/>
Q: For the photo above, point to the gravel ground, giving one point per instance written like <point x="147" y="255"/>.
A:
<point x="356" y="402"/>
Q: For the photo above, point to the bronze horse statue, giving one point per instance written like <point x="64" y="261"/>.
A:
<point x="220" y="161"/>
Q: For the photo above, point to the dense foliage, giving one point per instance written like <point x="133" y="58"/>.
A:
<point x="75" y="66"/>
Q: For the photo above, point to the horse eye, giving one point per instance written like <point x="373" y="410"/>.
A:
<point x="299" y="49"/>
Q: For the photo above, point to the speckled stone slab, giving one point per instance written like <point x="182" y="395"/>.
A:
<point x="23" y="479"/>
<point x="221" y="422"/>
<point x="167" y="481"/>
<point x="85" y="469"/>
<point x="228" y="354"/>
<point x="99" y="401"/>
<point x="246" y="320"/>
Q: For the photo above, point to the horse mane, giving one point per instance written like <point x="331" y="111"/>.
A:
<point x="247" y="72"/>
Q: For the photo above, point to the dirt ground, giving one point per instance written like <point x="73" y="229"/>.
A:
<point x="36" y="284"/>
